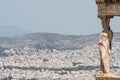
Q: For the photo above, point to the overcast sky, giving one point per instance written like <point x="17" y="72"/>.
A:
<point x="73" y="17"/>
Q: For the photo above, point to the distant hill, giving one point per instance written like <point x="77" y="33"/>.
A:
<point x="52" y="40"/>
<point x="11" y="31"/>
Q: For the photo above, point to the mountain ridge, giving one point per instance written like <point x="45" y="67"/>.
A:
<point x="52" y="40"/>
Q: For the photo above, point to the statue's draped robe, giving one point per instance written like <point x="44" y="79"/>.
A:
<point x="104" y="48"/>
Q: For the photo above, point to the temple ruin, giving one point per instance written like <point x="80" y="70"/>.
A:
<point x="107" y="9"/>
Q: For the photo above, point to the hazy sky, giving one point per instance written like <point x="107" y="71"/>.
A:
<point x="76" y="17"/>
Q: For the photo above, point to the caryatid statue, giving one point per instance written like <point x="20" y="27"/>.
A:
<point x="105" y="45"/>
<point x="105" y="50"/>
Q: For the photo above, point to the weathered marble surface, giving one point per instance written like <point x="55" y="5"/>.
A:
<point x="106" y="77"/>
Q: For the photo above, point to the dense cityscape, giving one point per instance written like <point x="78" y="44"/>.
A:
<point x="35" y="63"/>
<point x="53" y="64"/>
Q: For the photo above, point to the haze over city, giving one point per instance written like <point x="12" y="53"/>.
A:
<point x="54" y="16"/>
<point x="56" y="40"/>
<point x="69" y="17"/>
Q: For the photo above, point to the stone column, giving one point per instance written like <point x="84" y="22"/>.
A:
<point x="105" y="44"/>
